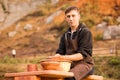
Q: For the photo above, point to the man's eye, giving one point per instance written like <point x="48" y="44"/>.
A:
<point x="68" y="16"/>
<point x="73" y="15"/>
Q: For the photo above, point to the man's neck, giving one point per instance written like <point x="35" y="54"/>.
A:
<point x="74" y="28"/>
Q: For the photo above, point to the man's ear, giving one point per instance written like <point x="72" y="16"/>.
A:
<point x="65" y="18"/>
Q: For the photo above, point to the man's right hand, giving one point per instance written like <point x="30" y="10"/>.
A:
<point x="56" y="57"/>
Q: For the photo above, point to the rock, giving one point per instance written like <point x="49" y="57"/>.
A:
<point x="13" y="52"/>
<point x="51" y="17"/>
<point x="118" y="19"/>
<point x="17" y="26"/>
<point x="12" y="34"/>
<point x="101" y="25"/>
<point x="54" y="2"/>
<point x="107" y="35"/>
<point x="28" y="27"/>
<point x="2" y="15"/>
<point x="112" y="32"/>
<point x="17" y="10"/>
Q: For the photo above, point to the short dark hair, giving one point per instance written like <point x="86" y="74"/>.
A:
<point x="71" y="8"/>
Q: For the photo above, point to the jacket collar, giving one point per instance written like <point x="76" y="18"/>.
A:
<point x="77" y="30"/>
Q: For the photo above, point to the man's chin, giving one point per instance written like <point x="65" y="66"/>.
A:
<point x="72" y="25"/>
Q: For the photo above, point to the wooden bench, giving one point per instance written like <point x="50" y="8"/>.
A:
<point x="94" y="77"/>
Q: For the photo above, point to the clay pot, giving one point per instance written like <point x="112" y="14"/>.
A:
<point x="32" y="67"/>
<point x="56" y="65"/>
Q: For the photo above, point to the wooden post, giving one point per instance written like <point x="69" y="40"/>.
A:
<point x="115" y="47"/>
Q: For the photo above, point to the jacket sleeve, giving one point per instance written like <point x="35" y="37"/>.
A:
<point x="62" y="49"/>
<point x="85" y="42"/>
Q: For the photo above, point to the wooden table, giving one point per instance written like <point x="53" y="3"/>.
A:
<point x="40" y="75"/>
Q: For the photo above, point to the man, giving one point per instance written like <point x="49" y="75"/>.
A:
<point x="76" y="45"/>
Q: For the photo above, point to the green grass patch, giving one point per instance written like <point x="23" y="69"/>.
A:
<point x="108" y="67"/>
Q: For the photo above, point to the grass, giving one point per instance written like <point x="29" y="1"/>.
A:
<point x="105" y="66"/>
<point x="9" y="64"/>
<point x="11" y="60"/>
<point x="108" y="67"/>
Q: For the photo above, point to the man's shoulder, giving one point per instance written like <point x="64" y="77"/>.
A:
<point x="83" y="27"/>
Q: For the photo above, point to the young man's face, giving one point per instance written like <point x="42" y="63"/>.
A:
<point x="73" y="18"/>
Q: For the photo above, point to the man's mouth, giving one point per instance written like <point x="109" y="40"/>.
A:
<point x="71" y="22"/>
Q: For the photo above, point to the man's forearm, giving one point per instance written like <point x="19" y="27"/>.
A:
<point x="74" y="57"/>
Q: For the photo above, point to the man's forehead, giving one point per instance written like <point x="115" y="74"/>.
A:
<point x="72" y="12"/>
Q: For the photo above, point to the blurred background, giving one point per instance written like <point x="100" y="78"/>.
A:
<point x="30" y="31"/>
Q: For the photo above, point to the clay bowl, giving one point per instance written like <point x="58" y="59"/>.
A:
<point x="50" y="65"/>
<point x="56" y="65"/>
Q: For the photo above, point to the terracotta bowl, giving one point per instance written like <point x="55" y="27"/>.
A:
<point x="50" y="65"/>
<point x="56" y="65"/>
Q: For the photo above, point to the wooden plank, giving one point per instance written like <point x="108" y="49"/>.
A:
<point x="42" y="73"/>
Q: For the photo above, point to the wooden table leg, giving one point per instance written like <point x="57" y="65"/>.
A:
<point x="27" y="78"/>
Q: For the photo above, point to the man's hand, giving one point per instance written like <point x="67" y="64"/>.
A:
<point x="56" y="57"/>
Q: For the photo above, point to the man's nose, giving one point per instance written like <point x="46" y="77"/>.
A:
<point x="71" y="18"/>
